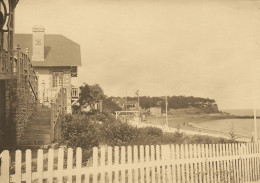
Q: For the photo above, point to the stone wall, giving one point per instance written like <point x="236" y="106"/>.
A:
<point x="20" y="105"/>
<point x="10" y="107"/>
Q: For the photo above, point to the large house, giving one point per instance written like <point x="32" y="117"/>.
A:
<point x="55" y="59"/>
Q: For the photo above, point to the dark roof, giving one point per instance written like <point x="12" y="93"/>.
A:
<point x="58" y="50"/>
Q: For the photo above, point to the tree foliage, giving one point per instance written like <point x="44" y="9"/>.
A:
<point x="90" y="95"/>
<point x="175" y="102"/>
<point x="109" y="105"/>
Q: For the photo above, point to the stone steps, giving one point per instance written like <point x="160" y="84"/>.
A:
<point x="38" y="142"/>
<point x="38" y="131"/>
<point x="31" y="127"/>
<point x="36" y="136"/>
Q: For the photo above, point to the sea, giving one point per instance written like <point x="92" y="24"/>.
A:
<point x="238" y="126"/>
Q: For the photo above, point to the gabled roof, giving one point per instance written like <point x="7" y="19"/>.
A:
<point x="58" y="50"/>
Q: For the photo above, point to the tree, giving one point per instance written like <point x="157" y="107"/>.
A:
<point x="90" y="95"/>
<point x="109" y="105"/>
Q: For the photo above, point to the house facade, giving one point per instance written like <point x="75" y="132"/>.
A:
<point x="55" y="59"/>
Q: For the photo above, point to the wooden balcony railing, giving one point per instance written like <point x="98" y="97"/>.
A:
<point x="58" y="107"/>
<point x="74" y="93"/>
<point x="16" y="64"/>
<point x="7" y="64"/>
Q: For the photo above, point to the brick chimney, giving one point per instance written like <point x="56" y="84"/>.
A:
<point x="38" y="43"/>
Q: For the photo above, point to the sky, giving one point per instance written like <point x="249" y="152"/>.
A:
<point x="204" y="49"/>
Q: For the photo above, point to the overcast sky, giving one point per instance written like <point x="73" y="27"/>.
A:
<point x="204" y="48"/>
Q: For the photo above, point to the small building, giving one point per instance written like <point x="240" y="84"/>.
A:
<point x="97" y="106"/>
<point x="132" y="105"/>
<point x="156" y="111"/>
<point x="121" y="102"/>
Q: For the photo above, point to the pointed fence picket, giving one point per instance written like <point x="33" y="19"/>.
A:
<point x="209" y="163"/>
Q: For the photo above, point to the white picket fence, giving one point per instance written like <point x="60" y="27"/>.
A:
<point x="191" y="163"/>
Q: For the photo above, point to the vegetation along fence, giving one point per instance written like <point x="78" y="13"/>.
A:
<point x="236" y="162"/>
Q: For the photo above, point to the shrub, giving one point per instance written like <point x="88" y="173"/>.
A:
<point x="148" y="136"/>
<point x="175" y="138"/>
<point x="75" y="109"/>
<point x="79" y="131"/>
<point x="89" y="130"/>
<point x="118" y="133"/>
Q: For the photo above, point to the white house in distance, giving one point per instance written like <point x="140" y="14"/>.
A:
<point x="56" y="60"/>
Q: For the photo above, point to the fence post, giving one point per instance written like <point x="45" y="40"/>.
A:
<point x="141" y="152"/>
<point x="70" y="164"/>
<point x="191" y="163"/>
<point x="158" y="161"/>
<point x="238" y="164"/>
<point x="5" y="166"/>
<point x="122" y="163"/>
<point x="18" y="63"/>
<point x="182" y="164"/>
<point x="218" y="172"/>
<point x="147" y="160"/>
<point x="196" y="170"/>
<point x="109" y="163"/>
<point x="153" y="163"/>
<point x="257" y="161"/>
<point x="232" y="147"/>
<point x="78" y="164"/>
<point x="207" y="162"/>
<point x="40" y="165"/>
<point x="102" y="163"/>
<point x="130" y="161"/>
<point x="50" y="165"/>
<point x="60" y="164"/>
<point x="18" y="167"/>
<point x="247" y="162"/>
<point x="211" y="170"/>
<point x="187" y="169"/>
<point x="95" y="164"/>
<point x="28" y="160"/>
<point x="136" y="162"/>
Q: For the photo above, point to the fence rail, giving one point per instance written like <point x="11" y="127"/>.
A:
<point x="210" y="163"/>
<point x="58" y="107"/>
<point x="6" y="66"/>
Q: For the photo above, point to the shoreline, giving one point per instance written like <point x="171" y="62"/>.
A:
<point x="189" y="122"/>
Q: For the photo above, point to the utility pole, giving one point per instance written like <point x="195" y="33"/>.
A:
<point x="166" y="111"/>
<point x="137" y="93"/>
<point x="255" y="126"/>
<point x="138" y="105"/>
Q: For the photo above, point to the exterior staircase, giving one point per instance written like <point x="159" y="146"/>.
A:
<point x="38" y="131"/>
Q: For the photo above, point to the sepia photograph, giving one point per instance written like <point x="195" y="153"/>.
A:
<point x="129" y="91"/>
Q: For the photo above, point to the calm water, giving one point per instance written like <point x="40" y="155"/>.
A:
<point x="239" y="126"/>
<point x="241" y="112"/>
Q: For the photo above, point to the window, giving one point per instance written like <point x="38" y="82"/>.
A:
<point x="57" y="79"/>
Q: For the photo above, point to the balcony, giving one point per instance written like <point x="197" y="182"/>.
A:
<point x="74" y="93"/>
<point x="7" y="65"/>
<point x="74" y="96"/>
<point x="15" y="64"/>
